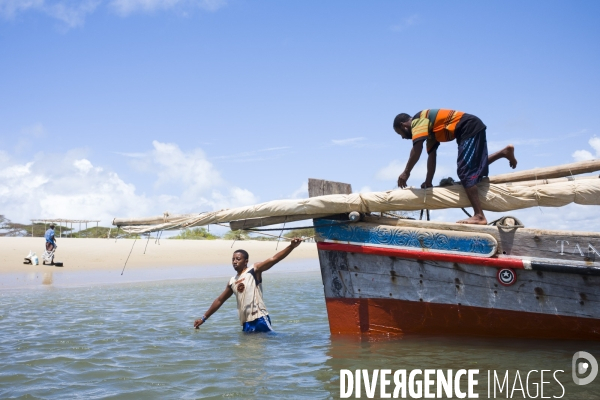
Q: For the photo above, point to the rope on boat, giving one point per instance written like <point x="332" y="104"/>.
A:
<point x="281" y="233"/>
<point x="147" y="243"/>
<point x="128" y="256"/>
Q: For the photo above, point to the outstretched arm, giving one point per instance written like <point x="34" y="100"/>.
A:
<point x="415" y="154"/>
<point x="214" y="306"/>
<point x="261" y="267"/>
<point x="431" y="164"/>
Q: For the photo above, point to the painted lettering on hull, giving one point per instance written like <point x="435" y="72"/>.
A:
<point x="591" y="251"/>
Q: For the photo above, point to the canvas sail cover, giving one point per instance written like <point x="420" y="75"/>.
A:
<point x="494" y="197"/>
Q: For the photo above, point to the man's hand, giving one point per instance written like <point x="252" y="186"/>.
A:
<point x="295" y="242"/>
<point x="426" y="185"/>
<point x="402" y="179"/>
<point x="197" y="323"/>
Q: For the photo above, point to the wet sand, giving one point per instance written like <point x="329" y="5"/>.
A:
<point x="108" y="254"/>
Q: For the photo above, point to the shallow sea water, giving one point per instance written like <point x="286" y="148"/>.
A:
<point x="136" y="341"/>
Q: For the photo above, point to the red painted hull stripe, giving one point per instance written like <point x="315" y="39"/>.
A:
<point x="376" y="316"/>
<point x="422" y="255"/>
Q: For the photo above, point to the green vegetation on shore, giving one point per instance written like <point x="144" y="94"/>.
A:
<point x="195" y="234"/>
<point x="306" y="232"/>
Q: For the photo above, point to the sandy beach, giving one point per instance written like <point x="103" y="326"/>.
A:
<point x="108" y="254"/>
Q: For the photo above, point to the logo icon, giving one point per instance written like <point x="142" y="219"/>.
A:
<point x="582" y="363"/>
<point x="506" y="277"/>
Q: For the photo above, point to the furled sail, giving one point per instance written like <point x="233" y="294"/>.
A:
<point x="494" y="197"/>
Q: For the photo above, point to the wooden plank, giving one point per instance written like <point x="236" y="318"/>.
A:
<point x="557" y="284"/>
<point x="334" y="264"/>
<point x="320" y="187"/>
<point x="266" y="221"/>
<point x="519" y="298"/>
<point x="560" y="171"/>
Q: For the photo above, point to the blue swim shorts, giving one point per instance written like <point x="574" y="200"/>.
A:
<point x="472" y="160"/>
<point x="262" y="324"/>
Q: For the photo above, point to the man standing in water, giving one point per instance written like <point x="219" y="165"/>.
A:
<point x="440" y="125"/>
<point x="247" y="287"/>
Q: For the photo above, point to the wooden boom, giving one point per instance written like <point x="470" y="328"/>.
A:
<point x="559" y="171"/>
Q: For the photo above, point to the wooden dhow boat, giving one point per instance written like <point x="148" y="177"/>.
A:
<point x="388" y="275"/>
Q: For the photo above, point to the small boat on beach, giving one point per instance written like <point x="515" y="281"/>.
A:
<point x="384" y="274"/>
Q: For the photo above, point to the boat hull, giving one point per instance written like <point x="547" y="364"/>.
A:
<point x="372" y="290"/>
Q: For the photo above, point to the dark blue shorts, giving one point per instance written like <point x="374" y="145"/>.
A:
<point x="262" y="324"/>
<point x="472" y="162"/>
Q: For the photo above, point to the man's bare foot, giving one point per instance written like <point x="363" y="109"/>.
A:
<point x="474" y="220"/>
<point x="509" y="153"/>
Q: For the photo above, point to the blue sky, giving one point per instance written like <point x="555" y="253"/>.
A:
<point x="135" y="107"/>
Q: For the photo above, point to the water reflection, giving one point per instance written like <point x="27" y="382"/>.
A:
<point x="47" y="280"/>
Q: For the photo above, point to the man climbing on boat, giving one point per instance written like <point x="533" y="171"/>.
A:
<point x="441" y="125"/>
<point x="247" y="287"/>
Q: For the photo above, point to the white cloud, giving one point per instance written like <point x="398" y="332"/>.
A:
<point x="198" y="185"/>
<point x="365" y="189"/>
<point x="71" y="13"/>
<point x="126" y="7"/>
<point x="301" y="192"/>
<point x="390" y="171"/>
<point x="584" y="155"/>
<point x="84" y="166"/>
<point x="74" y="188"/>
<point x="347" y="142"/>
<point x="235" y="197"/>
<point x="192" y="169"/>
<point x="595" y="143"/>
<point x="9" y="8"/>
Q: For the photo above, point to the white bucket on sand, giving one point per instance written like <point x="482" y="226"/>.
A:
<point x="31" y="258"/>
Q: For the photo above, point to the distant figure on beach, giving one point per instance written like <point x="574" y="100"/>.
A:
<point x="440" y="125"/>
<point x="247" y="287"/>
<point x="50" y="239"/>
<point x="51" y="246"/>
